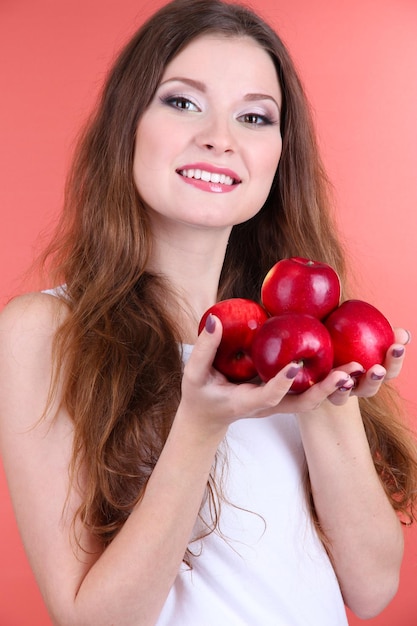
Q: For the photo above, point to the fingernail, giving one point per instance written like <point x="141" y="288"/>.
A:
<point x="343" y="384"/>
<point x="357" y="373"/>
<point x="293" y="371"/>
<point x="210" y="323"/>
<point x="397" y="352"/>
<point x="377" y="376"/>
<point x="408" y="336"/>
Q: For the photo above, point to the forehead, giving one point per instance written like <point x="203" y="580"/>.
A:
<point x="214" y="54"/>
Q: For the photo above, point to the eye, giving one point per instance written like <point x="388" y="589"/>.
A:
<point x="180" y="102"/>
<point x="255" y="119"/>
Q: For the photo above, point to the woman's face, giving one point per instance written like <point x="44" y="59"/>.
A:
<point x="208" y="146"/>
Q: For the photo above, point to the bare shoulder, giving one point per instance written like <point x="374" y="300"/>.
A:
<point x="27" y="327"/>
<point x="32" y="312"/>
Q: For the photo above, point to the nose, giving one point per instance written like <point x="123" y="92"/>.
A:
<point x="216" y="135"/>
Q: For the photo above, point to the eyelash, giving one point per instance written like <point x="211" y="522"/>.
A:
<point x="266" y="120"/>
<point x="174" y="101"/>
<point x="178" y="102"/>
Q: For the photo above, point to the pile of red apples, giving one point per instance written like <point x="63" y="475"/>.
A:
<point x="300" y="319"/>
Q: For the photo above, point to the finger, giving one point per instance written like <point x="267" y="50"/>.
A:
<point x="394" y="360"/>
<point x="204" y="351"/>
<point x="402" y="336"/>
<point x="354" y="369"/>
<point x="344" y="387"/>
<point x="370" y="383"/>
<point x="336" y="386"/>
<point x="276" y="388"/>
<point x="262" y="400"/>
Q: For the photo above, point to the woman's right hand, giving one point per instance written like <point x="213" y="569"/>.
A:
<point x="213" y="402"/>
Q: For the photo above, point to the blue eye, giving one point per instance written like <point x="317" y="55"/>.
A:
<point x="180" y="102"/>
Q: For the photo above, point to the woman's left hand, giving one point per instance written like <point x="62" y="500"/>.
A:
<point x="368" y="384"/>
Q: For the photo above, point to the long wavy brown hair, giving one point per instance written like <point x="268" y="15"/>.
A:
<point x="119" y="345"/>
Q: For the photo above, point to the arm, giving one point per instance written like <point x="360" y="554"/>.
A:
<point x="128" y="582"/>
<point x="364" y="533"/>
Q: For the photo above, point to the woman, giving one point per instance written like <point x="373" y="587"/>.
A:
<point x="147" y="488"/>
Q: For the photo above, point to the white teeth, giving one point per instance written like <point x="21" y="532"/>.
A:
<point x="208" y="177"/>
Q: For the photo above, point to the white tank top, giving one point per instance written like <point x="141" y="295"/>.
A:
<point x="269" y="567"/>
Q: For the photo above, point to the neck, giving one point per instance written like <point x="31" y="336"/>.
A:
<point x="192" y="264"/>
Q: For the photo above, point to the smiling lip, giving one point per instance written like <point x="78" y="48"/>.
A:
<point x="209" y="178"/>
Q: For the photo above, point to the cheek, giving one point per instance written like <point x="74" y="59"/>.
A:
<point x="145" y="151"/>
<point x="267" y="165"/>
<point x="275" y="156"/>
<point x="157" y="151"/>
<point x="148" y="160"/>
<point x="148" y="141"/>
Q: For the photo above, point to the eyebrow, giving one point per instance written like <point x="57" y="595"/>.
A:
<point x="197" y="84"/>
<point x="188" y="81"/>
<point x="250" y="97"/>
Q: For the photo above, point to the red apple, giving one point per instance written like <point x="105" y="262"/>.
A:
<point x="241" y="318"/>
<point x="359" y="333"/>
<point x="293" y="337"/>
<point x="301" y="286"/>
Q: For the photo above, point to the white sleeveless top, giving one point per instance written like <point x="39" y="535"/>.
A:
<point x="268" y="568"/>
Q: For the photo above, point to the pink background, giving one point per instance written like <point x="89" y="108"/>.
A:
<point x="359" y="63"/>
